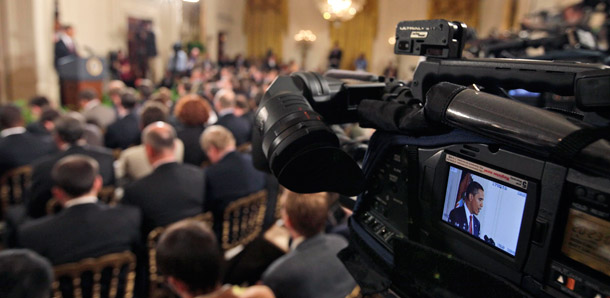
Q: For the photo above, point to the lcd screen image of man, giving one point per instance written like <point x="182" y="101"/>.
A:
<point x="464" y="217"/>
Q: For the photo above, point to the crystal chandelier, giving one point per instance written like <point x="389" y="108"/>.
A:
<point x="340" y="10"/>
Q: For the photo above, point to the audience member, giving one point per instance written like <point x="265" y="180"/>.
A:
<point x="173" y="191"/>
<point x="44" y="126"/>
<point x="176" y="65"/>
<point x="92" y="134"/>
<point x="24" y="274"/>
<point x="68" y="135"/>
<point x="190" y="258"/>
<point x="37" y="105"/>
<point x="231" y="175"/>
<point x="19" y="147"/>
<point x="124" y="132"/>
<point x="192" y="112"/>
<point x="241" y="128"/>
<point x="94" y="111"/>
<point x="115" y="89"/>
<point x="146" y="89"/>
<point x="84" y="228"/>
<point x="311" y="268"/>
<point x="334" y="58"/>
<point x="133" y="163"/>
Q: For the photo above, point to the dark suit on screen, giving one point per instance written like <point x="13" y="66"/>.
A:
<point x="170" y="193"/>
<point x="233" y="177"/>
<point x="311" y="270"/>
<point x="189" y="135"/>
<point x="123" y="133"/>
<point x="82" y="231"/>
<point x="21" y="149"/>
<point x="240" y="127"/>
<point x="41" y="175"/>
<point x="457" y="217"/>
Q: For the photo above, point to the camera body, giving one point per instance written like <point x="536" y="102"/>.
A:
<point x="536" y="183"/>
<point x="542" y="226"/>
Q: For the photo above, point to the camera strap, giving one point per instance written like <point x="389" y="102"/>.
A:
<point x="567" y="149"/>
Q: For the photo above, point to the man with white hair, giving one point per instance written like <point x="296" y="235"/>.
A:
<point x="231" y="175"/>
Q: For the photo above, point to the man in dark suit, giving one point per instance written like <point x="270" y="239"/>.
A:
<point x="173" y="191"/>
<point x="84" y="228"/>
<point x="24" y="273"/>
<point x="464" y="217"/>
<point x="311" y="268"/>
<point x="17" y="146"/>
<point x="190" y="258"/>
<point x="64" y="45"/>
<point x="231" y="175"/>
<point x="241" y="128"/>
<point x="124" y="132"/>
<point x="94" y="111"/>
<point x="68" y="135"/>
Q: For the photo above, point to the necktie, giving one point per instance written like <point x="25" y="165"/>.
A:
<point x="470" y="225"/>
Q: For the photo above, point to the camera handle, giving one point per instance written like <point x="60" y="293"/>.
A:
<point x="537" y="76"/>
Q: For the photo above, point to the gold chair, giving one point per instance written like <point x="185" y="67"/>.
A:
<point x="243" y="220"/>
<point x="115" y="262"/>
<point x="12" y="187"/>
<point x="157" y="281"/>
<point x="106" y="195"/>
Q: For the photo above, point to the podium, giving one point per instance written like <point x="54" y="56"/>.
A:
<point x="77" y="74"/>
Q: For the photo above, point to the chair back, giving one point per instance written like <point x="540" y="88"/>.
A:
<point x="112" y="263"/>
<point x="106" y="195"/>
<point x="156" y="280"/>
<point x="243" y="220"/>
<point x="13" y="185"/>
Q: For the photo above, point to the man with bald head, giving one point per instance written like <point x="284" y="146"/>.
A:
<point x="173" y="191"/>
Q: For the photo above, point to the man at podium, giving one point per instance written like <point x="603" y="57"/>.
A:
<point x="64" y="44"/>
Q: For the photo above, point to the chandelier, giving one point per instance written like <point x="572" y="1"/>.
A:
<point x="340" y="10"/>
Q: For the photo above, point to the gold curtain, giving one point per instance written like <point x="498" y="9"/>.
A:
<point x="356" y="36"/>
<point x="265" y="23"/>
<point x="466" y="11"/>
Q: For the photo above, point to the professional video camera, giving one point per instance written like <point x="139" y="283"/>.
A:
<point x="462" y="193"/>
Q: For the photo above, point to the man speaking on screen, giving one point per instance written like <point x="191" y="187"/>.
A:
<point x="464" y="217"/>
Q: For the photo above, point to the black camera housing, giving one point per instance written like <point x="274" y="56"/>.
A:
<point x="402" y="240"/>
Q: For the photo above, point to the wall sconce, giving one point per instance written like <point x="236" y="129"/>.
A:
<point x="304" y="39"/>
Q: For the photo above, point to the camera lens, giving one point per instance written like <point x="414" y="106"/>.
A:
<point x="301" y="150"/>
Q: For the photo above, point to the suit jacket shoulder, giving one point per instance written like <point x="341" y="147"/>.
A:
<point x="311" y="270"/>
<point x="82" y="231"/>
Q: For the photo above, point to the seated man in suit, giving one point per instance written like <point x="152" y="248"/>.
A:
<point x="241" y="128"/>
<point x="133" y="163"/>
<point x="190" y="258"/>
<point x="94" y="111"/>
<point x="37" y="105"/>
<point x="68" y="135"/>
<point x="464" y="217"/>
<point x="173" y="191"/>
<point x="124" y="132"/>
<point x="24" y="273"/>
<point x="17" y="146"/>
<point x="84" y="228"/>
<point x="231" y="175"/>
<point x="311" y="268"/>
